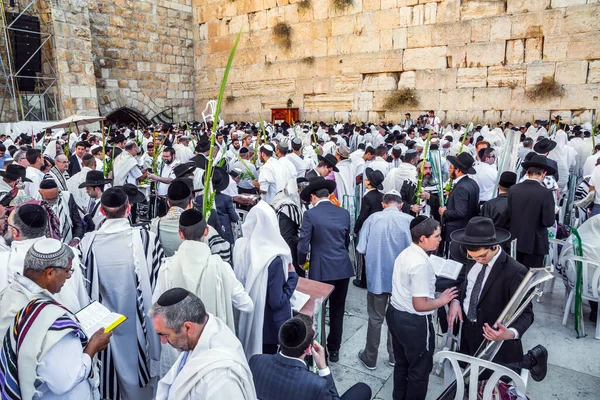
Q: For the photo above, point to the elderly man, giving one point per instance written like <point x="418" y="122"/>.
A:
<point x="58" y="171"/>
<point x="212" y="364"/>
<point x="384" y="235"/>
<point x="33" y="360"/>
<point x="125" y="167"/>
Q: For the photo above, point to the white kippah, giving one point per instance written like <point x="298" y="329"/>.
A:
<point x="267" y="147"/>
<point x="48" y="249"/>
<point x="394" y="192"/>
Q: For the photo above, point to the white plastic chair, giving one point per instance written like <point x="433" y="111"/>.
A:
<point x="590" y="284"/>
<point x="477" y="364"/>
<point x="209" y="111"/>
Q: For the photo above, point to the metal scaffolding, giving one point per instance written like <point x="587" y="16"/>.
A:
<point x="15" y="105"/>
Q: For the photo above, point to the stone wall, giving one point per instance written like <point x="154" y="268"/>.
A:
<point x="466" y="59"/>
<point x="143" y="56"/>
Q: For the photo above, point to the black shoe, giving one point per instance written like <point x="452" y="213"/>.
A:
<point x="334" y="356"/>
<point x="358" y="283"/>
<point x="539" y="362"/>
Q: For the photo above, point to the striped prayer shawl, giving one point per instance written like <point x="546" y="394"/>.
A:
<point x="218" y="245"/>
<point x="18" y="335"/>
<point x="109" y="387"/>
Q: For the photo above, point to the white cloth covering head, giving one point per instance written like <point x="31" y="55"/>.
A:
<point x="50" y="150"/>
<point x="253" y="253"/>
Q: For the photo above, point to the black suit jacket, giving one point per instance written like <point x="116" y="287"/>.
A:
<point x="77" y="223"/>
<point x="463" y="204"/>
<point x="312" y="174"/>
<point x="74" y="166"/>
<point x="501" y="284"/>
<point x="531" y="211"/>
<point x="371" y="203"/>
<point x="200" y="160"/>
<point x="497" y="210"/>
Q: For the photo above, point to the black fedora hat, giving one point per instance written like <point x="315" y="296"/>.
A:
<point x="330" y="160"/>
<point x="119" y="138"/>
<point x="507" y="179"/>
<point x="480" y="231"/>
<point x="132" y="192"/>
<point x="15" y="171"/>
<point x="314" y="185"/>
<point x="94" y="178"/>
<point x="203" y="145"/>
<point x="184" y="169"/>
<point x="463" y="162"/>
<point x="544" y="145"/>
<point x="220" y="179"/>
<point x="375" y="177"/>
<point x="539" y="161"/>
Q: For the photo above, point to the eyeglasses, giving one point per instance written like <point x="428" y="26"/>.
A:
<point x="69" y="271"/>
<point x="477" y="257"/>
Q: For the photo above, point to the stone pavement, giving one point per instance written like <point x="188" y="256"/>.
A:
<point x="573" y="370"/>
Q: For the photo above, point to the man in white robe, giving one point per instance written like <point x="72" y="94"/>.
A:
<point x="121" y="266"/>
<point x="212" y="364"/>
<point x="125" y="167"/>
<point x="272" y="178"/>
<point x="82" y="199"/>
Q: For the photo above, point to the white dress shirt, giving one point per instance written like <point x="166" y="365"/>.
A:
<point x="485" y="177"/>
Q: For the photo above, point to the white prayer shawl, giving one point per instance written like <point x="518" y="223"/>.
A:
<point x="123" y="279"/>
<point x="583" y="150"/>
<point x="397" y="176"/>
<point x="215" y="369"/>
<point x="589" y="232"/>
<point x="121" y="167"/>
<point x="62" y="211"/>
<point x="274" y="175"/>
<point x="565" y="157"/>
<point x="72" y="295"/>
<point x="299" y="163"/>
<point x="51" y="149"/>
<point x="260" y="244"/>
<point x="329" y="148"/>
<point x="79" y="195"/>
<point x="59" y="178"/>
<point x="182" y="153"/>
<point x="345" y="179"/>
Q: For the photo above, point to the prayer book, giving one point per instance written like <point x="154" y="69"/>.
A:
<point x="298" y="300"/>
<point x="445" y="268"/>
<point x="95" y="316"/>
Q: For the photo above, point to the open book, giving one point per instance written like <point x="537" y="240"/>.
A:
<point x="298" y="300"/>
<point x="445" y="268"/>
<point x="95" y="316"/>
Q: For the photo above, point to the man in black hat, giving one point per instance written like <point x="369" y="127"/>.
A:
<point x="463" y="201"/>
<point x="324" y="168"/>
<point x="543" y="147"/>
<point x="285" y="375"/>
<point x="326" y="230"/>
<point x="10" y="176"/>
<point x="493" y="277"/>
<point x="497" y="208"/>
<point x="94" y="186"/>
<point x="532" y="210"/>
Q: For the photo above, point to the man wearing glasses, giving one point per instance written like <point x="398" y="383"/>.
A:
<point x="492" y="279"/>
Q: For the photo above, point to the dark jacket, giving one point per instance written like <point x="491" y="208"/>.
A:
<point x="200" y="160"/>
<point x="277" y="307"/>
<point x="326" y="228"/>
<point x="497" y="210"/>
<point x="277" y="377"/>
<point x="76" y="221"/>
<point x="501" y="284"/>
<point x="312" y="174"/>
<point x="531" y="211"/>
<point x="407" y="191"/>
<point x="289" y="231"/>
<point x="463" y="204"/>
<point x="371" y="203"/>
<point x="227" y="214"/>
<point x="74" y="166"/>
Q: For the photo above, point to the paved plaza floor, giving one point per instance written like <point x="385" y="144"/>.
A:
<point x="573" y="364"/>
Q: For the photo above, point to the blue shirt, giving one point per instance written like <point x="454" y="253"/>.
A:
<point x="383" y="237"/>
<point x="5" y="157"/>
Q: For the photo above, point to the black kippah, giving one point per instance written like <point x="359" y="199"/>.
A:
<point x="417" y="220"/>
<point x="48" y="184"/>
<point x="293" y="333"/>
<point x="190" y="217"/>
<point x="172" y="296"/>
<point x="244" y="150"/>
<point x="32" y="215"/>
<point x="178" y="190"/>
<point x="113" y="198"/>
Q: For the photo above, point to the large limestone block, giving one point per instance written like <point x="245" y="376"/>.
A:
<point x="515" y="51"/>
<point x="536" y="72"/>
<point x="457" y="56"/>
<point x="456" y="99"/>
<point x="407" y="79"/>
<point x="365" y="63"/>
<point x="419" y="36"/>
<point x="492" y="98"/>
<point x="555" y="48"/>
<point x="476" y="9"/>
<point x="363" y="101"/>
<point x="328" y="102"/>
<point x="443" y="78"/>
<point x="400" y="38"/>
<point x="500" y="28"/>
<point x="533" y="49"/>
<point x="580" y="96"/>
<point x="480" y="31"/>
<point x="521" y="101"/>
<point x="571" y="72"/>
<point x="485" y="54"/>
<point x="524" y="6"/>
<point x="346" y="83"/>
<point x="448" y="11"/>
<point x="568" y="3"/>
<point x="321" y="85"/>
<point x="343" y="25"/>
<point x="371" y="5"/>
<point x="425" y="58"/>
<point x="510" y="76"/>
<point x="406" y="16"/>
<point x="386" y="39"/>
<point x="428" y="100"/>
<point x="580" y="19"/>
<point x="471" y="77"/>
<point x="594" y="72"/>
<point x="456" y="33"/>
<point x="384" y="81"/>
<point x="538" y="24"/>
<point x="584" y="46"/>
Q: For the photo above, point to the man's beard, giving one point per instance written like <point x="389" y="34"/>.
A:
<point x="168" y="162"/>
<point x="428" y="180"/>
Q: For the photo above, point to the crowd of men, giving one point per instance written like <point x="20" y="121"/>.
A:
<point x="117" y="217"/>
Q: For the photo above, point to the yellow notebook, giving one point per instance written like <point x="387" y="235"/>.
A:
<point x="96" y="316"/>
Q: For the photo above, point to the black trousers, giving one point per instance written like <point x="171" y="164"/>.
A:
<point x="530" y="260"/>
<point x="360" y="391"/>
<point x="413" y="341"/>
<point x="337" y="305"/>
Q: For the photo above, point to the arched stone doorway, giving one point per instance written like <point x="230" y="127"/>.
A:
<point x="126" y="115"/>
